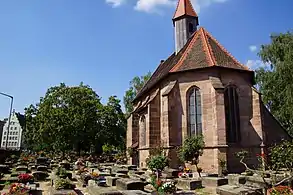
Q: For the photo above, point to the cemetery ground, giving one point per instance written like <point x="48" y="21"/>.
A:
<point x="41" y="175"/>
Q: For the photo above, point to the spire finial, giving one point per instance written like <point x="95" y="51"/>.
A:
<point x="184" y="8"/>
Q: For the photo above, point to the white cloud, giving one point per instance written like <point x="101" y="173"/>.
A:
<point x="115" y="3"/>
<point x="157" y="6"/>
<point x="255" y="64"/>
<point x="252" y="48"/>
<point x="152" y="6"/>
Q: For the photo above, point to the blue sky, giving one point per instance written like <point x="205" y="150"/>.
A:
<point x="105" y="43"/>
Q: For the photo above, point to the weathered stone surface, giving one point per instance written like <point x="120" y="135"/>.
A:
<point x="256" y="181"/>
<point x="188" y="184"/>
<point x="104" y="174"/>
<point x="132" y="167"/>
<point x="42" y="161"/>
<point x="21" y="169"/>
<point x="139" y="172"/>
<point x="123" y="171"/>
<point x="40" y="175"/>
<point x="42" y="168"/>
<point x="4" y="169"/>
<point x="121" y="175"/>
<point x="111" y="181"/>
<point x="128" y="184"/>
<point x="171" y="173"/>
<point x="53" y="191"/>
<point x="236" y="190"/>
<point x="213" y="181"/>
<point x="236" y="179"/>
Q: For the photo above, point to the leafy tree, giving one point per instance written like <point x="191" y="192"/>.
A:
<point x="136" y="85"/>
<point x="64" y="119"/>
<point x="113" y="124"/>
<point x="276" y="82"/>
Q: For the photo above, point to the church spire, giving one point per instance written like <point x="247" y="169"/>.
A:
<point x="185" y="21"/>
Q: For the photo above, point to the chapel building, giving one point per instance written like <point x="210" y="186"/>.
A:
<point x="201" y="89"/>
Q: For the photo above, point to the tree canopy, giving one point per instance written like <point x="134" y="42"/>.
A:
<point x="136" y="85"/>
<point x="276" y="83"/>
<point x="73" y="118"/>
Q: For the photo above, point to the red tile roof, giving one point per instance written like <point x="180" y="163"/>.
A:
<point x="201" y="51"/>
<point x="184" y="8"/>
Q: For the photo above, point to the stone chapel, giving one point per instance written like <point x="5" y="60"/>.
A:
<point x="201" y="89"/>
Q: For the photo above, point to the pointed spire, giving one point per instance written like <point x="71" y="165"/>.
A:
<point x="184" y="8"/>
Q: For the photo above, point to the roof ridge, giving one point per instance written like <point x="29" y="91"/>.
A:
<point x="184" y="55"/>
<point x="226" y="51"/>
<point x="207" y="49"/>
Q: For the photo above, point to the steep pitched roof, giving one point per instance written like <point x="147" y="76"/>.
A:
<point x="21" y="119"/>
<point x="201" y="51"/>
<point x="184" y="8"/>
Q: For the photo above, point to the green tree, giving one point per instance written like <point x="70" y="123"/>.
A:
<point x="113" y="124"/>
<point x="66" y="118"/>
<point x="276" y="83"/>
<point x="136" y="85"/>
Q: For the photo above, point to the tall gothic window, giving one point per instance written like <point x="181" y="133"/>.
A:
<point x="142" y="128"/>
<point x="190" y="27"/>
<point x="232" y="115"/>
<point x="194" y="112"/>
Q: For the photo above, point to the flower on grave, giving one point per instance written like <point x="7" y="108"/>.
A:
<point x="186" y="170"/>
<point x="18" y="189"/>
<point x="262" y="155"/>
<point x="281" y="190"/>
<point x="95" y="175"/>
<point x="24" y="178"/>
<point x="168" y="187"/>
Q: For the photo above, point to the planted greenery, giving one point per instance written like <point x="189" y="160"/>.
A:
<point x="65" y="184"/>
<point x="191" y="150"/>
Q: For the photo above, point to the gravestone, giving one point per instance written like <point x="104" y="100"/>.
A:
<point x="21" y="169"/>
<point x="128" y="184"/>
<point x="66" y="165"/>
<point x="213" y="181"/>
<point x="189" y="184"/>
<point x="42" y="168"/>
<point x="111" y="181"/>
<point x="42" y="161"/>
<point x="40" y="175"/>
<point x="4" y="169"/>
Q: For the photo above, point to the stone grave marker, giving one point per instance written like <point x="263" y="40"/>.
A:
<point x="128" y="184"/>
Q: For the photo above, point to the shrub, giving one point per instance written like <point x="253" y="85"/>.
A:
<point x="63" y="184"/>
<point x="191" y="149"/>
<point x="158" y="162"/>
<point x="131" y="151"/>
<point x="61" y="172"/>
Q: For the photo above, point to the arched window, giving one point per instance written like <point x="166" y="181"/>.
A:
<point x="194" y="112"/>
<point x="142" y="130"/>
<point x="232" y="115"/>
<point x="190" y="27"/>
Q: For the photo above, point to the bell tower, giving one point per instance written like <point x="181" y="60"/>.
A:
<point x="185" y="21"/>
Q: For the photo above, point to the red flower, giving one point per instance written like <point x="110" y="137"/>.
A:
<point x="281" y="190"/>
<point x="179" y="174"/>
<point x="260" y="155"/>
<point x="159" y="183"/>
